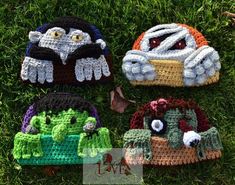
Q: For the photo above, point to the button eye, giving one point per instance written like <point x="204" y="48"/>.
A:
<point x="77" y="38"/>
<point x="158" y="126"/>
<point x="48" y="120"/>
<point x="154" y="42"/>
<point x="56" y="34"/>
<point x="73" y="120"/>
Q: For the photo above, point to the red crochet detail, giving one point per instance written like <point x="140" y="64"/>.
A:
<point x="137" y="120"/>
<point x="183" y="125"/>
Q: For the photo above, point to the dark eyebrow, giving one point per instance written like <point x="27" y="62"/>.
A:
<point x="88" y="50"/>
<point x="43" y="53"/>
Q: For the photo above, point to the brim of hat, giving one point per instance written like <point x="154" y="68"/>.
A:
<point x="169" y="73"/>
<point x="164" y="155"/>
<point x="59" y="154"/>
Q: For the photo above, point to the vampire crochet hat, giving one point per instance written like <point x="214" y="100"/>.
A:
<point x="171" y="55"/>
<point x="61" y="129"/>
<point x="68" y="50"/>
<point x="171" y="132"/>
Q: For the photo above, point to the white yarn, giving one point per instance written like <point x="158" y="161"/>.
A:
<point x="85" y="68"/>
<point x="37" y="70"/>
<point x="189" y="137"/>
<point x="63" y="45"/>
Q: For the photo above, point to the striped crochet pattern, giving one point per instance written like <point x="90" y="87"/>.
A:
<point x="171" y="55"/>
<point x="68" y="50"/>
<point x="61" y="128"/>
<point x="179" y="133"/>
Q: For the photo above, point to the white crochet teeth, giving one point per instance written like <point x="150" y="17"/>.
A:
<point x="37" y="70"/>
<point x="85" y="68"/>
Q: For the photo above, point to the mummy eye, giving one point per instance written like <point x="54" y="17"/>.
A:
<point x="158" y="126"/>
<point x="154" y="42"/>
<point x="179" y="45"/>
<point x="77" y="38"/>
<point x="56" y="34"/>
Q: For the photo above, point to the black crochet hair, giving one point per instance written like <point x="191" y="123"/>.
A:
<point x="57" y="102"/>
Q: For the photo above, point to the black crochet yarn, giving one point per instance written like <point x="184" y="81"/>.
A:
<point x="57" y="102"/>
<point x="85" y="51"/>
<point x="43" y="53"/>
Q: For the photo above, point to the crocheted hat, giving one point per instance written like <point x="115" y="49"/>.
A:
<point x="68" y="50"/>
<point x="61" y="129"/>
<point x="171" y="55"/>
<point x="171" y="132"/>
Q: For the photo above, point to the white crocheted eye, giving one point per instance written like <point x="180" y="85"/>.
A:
<point x="157" y="125"/>
<point x="77" y="38"/>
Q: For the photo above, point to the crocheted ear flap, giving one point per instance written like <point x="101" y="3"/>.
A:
<point x="61" y="128"/>
<point x="180" y="133"/>
<point x="171" y="55"/>
<point x="68" y="50"/>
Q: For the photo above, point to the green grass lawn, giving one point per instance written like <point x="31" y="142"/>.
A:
<point x="120" y="22"/>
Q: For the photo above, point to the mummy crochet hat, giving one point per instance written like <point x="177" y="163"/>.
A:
<point x="61" y="129"/>
<point x="171" y="55"/>
<point x="171" y="132"/>
<point x="68" y="50"/>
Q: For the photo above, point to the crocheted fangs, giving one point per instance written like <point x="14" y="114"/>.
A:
<point x="171" y="55"/>
<point x="68" y="50"/>
<point x="58" y="129"/>
<point x="171" y="132"/>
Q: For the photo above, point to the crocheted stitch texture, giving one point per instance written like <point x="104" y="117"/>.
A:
<point x="57" y="134"/>
<point x="187" y="137"/>
<point x="67" y="50"/>
<point x="171" y="55"/>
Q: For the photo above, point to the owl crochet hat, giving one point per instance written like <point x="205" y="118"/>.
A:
<point x="171" y="55"/>
<point x="61" y="129"/>
<point x="171" y="132"/>
<point x="68" y="50"/>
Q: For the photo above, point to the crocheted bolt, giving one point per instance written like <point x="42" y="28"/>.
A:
<point x="68" y="43"/>
<point x="172" y="55"/>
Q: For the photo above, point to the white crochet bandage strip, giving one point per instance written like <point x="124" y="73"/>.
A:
<point x="136" y="66"/>
<point x="86" y="67"/>
<point x="161" y="26"/>
<point x="200" y="65"/>
<point x="36" y="70"/>
<point x="163" y="51"/>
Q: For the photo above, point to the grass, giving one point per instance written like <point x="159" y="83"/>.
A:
<point x="121" y="22"/>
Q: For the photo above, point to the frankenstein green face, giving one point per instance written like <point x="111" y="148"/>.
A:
<point x="64" y="123"/>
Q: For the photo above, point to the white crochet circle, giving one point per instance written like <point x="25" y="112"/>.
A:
<point x="157" y="125"/>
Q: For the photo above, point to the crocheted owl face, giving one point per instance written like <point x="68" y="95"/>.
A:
<point x="61" y="129"/>
<point x="67" y="50"/>
<point x="172" y="132"/>
<point x="171" y="55"/>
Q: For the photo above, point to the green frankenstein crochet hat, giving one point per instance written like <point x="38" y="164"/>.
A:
<point x="61" y="129"/>
<point x="171" y="132"/>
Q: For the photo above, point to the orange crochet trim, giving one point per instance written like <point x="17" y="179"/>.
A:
<point x="137" y="42"/>
<point x="199" y="38"/>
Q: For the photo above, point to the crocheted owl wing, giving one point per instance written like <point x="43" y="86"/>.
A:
<point x="171" y="55"/>
<point x="65" y="101"/>
<point x="68" y="50"/>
